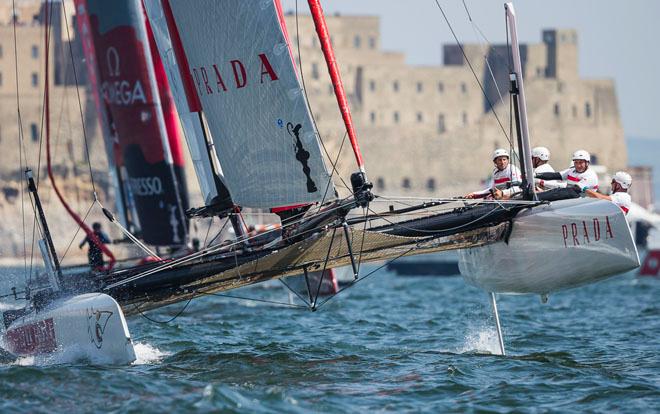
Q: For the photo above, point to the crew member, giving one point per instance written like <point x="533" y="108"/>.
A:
<point x="505" y="180"/>
<point x="579" y="176"/>
<point x="95" y="254"/>
<point x="621" y="182"/>
<point x="541" y="164"/>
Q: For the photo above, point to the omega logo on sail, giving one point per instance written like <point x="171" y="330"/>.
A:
<point x="121" y="91"/>
<point x="586" y="232"/>
<point x="211" y="80"/>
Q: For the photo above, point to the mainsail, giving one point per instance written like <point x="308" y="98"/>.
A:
<point x="245" y="80"/>
<point x="147" y="137"/>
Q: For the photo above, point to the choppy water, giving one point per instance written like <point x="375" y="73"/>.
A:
<point x="390" y="344"/>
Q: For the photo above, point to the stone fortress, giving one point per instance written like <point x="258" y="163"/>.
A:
<point x="423" y="130"/>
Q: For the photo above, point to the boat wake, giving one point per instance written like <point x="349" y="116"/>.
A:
<point x="481" y="340"/>
<point x="147" y="354"/>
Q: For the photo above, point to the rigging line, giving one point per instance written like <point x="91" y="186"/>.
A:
<point x="76" y="233"/>
<point x="219" y="232"/>
<point x="308" y="305"/>
<point x="309" y="106"/>
<point x="223" y="295"/>
<point x="355" y="282"/>
<point x="334" y="169"/>
<point x="458" y="200"/>
<point x="21" y="142"/>
<point x="364" y="233"/>
<point x="478" y="33"/>
<point x="208" y="231"/>
<point x="325" y="265"/>
<point x="483" y="91"/>
<point x="75" y="77"/>
<point x="137" y="308"/>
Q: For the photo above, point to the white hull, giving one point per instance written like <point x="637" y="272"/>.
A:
<point x="89" y="326"/>
<point x="552" y="247"/>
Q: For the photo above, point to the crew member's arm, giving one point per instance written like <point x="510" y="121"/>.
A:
<point x="596" y="194"/>
<point x="82" y="243"/>
<point x="485" y="192"/>
<point x="549" y="176"/>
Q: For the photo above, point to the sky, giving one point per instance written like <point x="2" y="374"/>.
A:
<point x="617" y="39"/>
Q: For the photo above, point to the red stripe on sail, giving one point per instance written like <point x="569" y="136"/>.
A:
<point x="184" y="68"/>
<point x="280" y="17"/>
<point x="329" y="54"/>
<point x="166" y="101"/>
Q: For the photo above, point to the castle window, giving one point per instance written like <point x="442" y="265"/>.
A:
<point x="587" y="110"/>
<point x="34" y="132"/>
<point x="372" y="42"/>
<point x="594" y="159"/>
<point x="372" y="85"/>
<point x="395" y="86"/>
<point x="405" y="183"/>
<point x="430" y="184"/>
<point x="35" y="79"/>
<point x="357" y="41"/>
<point x="574" y="110"/>
<point x="372" y="117"/>
<point x="35" y="51"/>
<point x="441" y="87"/>
<point x="441" y="124"/>
<point x="556" y="109"/>
<point x="315" y="70"/>
<point x="420" y="87"/>
<point x="420" y="117"/>
<point x="463" y="87"/>
<point x="396" y="117"/>
<point x="380" y="183"/>
<point x="465" y="118"/>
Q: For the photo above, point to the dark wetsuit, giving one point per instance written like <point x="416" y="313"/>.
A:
<point x="95" y="254"/>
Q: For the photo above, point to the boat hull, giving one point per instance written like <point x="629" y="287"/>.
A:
<point x="89" y="326"/>
<point x="553" y="247"/>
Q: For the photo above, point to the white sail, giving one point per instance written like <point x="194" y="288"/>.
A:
<point x="253" y="101"/>
<point x="190" y="123"/>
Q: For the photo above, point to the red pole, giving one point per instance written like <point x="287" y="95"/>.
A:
<point x="329" y="54"/>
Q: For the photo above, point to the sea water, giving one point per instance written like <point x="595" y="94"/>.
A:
<point x="389" y="343"/>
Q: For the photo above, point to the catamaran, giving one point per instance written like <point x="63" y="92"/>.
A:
<point x="254" y="144"/>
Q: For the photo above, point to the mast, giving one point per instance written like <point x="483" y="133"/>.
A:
<point x="361" y="186"/>
<point x="520" y="107"/>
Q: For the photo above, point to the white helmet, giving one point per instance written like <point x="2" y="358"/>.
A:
<point x="500" y="152"/>
<point x="623" y="178"/>
<point x="542" y="153"/>
<point x="581" y="155"/>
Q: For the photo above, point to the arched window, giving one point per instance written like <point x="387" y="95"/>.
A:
<point x="430" y="184"/>
<point x="556" y="109"/>
<point x="396" y="117"/>
<point x="405" y="183"/>
<point x="372" y="117"/>
<point x="587" y="110"/>
<point x="395" y="86"/>
<point x="441" y="123"/>
<point x="420" y="87"/>
<point x="420" y="117"/>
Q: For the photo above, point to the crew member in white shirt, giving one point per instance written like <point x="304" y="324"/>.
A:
<point x="504" y="181"/>
<point x="541" y="164"/>
<point x="579" y="175"/>
<point x="621" y="182"/>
